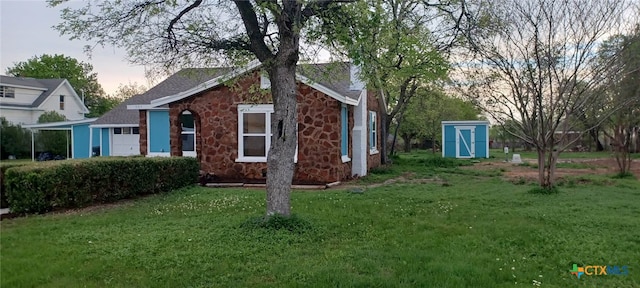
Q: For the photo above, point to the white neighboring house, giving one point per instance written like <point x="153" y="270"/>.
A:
<point x="23" y="100"/>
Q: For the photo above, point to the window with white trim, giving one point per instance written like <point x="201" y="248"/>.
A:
<point x="254" y="132"/>
<point x="61" y="102"/>
<point x="344" y="128"/>
<point x="188" y="133"/>
<point x="373" y="132"/>
<point x="7" y="92"/>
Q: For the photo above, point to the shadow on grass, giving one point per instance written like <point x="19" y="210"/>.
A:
<point x="293" y="223"/>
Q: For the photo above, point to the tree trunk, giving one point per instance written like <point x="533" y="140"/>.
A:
<point x="546" y="168"/>
<point x="594" y="133"/>
<point x="280" y="161"/>
<point x="383" y="136"/>
<point x="407" y="142"/>
<point x="284" y="139"/>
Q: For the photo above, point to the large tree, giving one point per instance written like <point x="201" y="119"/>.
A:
<point x="79" y="74"/>
<point x="397" y="51"/>
<point x="535" y="64"/>
<point x="186" y="33"/>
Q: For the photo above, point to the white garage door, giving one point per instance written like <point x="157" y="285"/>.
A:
<point x="125" y="141"/>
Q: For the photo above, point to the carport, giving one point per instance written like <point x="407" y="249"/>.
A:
<point x="79" y="135"/>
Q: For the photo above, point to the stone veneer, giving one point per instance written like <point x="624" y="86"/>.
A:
<point x="216" y="112"/>
<point x="143" y="132"/>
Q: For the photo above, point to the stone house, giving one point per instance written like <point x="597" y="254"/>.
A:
<point x="225" y="122"/>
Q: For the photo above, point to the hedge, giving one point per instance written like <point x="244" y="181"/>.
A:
<point x="3" y="167"/>
<point x="45" y="186"/>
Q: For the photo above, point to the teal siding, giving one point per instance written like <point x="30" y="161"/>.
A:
<point x="482" y="141"/>
<point x="158" y="125"/>
<point x="104" y="146"/>
<point x="80" y="142"/>
<point x="449" y="141"/>
<point x="95" y="141"/>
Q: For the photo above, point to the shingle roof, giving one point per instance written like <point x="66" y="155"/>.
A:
<point x="48" y="85"/>
<point x="182" y="80"/>
<point x="335" y="76"/>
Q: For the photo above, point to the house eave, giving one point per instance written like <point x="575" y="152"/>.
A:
<point x="204" y="86"/>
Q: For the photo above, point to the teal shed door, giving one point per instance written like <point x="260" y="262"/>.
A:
<point x="465" y="141"/>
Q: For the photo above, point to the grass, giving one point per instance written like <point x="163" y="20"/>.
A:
<point x="475" y="231"/>
<point x="499" y="154"/>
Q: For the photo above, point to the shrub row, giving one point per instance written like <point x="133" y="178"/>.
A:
<point x="3" y="167"/>
<point x="41" y="187"/>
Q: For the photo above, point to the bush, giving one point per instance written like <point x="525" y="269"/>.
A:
<point x="3" y="196"/>
<point x="42" y="187"/>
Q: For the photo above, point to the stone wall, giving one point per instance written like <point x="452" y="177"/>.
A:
<point x="216" y="112"/>
<point x="372" y="105"/>
<point x="143" y="132"/>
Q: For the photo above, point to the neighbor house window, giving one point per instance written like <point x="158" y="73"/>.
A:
<point x="117" y="130"/>
<point x="188" y="134"/>
<point x="7" y="92"/>
<point x="344" y="122"/>
<point x="373" y="132"/>
<point x="61" y="102"/>
<point x="135" y="130"/>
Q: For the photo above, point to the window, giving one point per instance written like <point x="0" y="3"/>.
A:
<point x="126" y="130"/>
<point x="188" y="134"/>
<point x="373" y="132"/>
<point x="254" y="132"/>
<point x="61" y="102"/>
<point x="7" y="92"/>
<point x="344" y="122"/>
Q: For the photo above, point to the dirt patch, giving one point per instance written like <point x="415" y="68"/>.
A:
<point x="528" y="171"/>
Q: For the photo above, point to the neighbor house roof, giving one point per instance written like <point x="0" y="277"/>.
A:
<point x="46" y="85"/>
<point x="182" y="80"/>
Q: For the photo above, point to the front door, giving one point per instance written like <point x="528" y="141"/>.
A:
<point x="465" y="142"/>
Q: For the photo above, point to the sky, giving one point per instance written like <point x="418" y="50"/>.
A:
<point x="26" y="31"/>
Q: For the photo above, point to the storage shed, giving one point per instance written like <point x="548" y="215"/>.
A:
<point x="465" y="139"/>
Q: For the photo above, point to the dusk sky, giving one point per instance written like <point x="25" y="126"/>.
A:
<point x="25" y="31"/>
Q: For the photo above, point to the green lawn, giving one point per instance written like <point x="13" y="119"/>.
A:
<point x="499" y="153"/>
<point x="439" y="227"/>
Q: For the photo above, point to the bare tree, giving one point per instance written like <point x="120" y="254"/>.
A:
<point x="534" y="62"/>
<point x="170" y="34"/>
<point x="621" y="87"/>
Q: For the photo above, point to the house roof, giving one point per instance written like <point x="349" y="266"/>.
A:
<point x="46" y="85"/>
<point x="182" y="80"/>
<point x="335" y="76"/>
<point x="333" y="79"/>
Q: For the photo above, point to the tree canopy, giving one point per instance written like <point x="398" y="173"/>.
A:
<point x="174" y="34"/>
<point x="79" y="74"/>
<point x="534" y="62"/>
